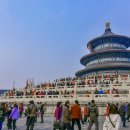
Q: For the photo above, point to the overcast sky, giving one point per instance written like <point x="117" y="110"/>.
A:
<point x="45" y="39"/>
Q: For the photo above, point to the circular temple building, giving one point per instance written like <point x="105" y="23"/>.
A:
<point x="108" y="55"/>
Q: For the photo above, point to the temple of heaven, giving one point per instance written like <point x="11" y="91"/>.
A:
<point x="108" y="55"/>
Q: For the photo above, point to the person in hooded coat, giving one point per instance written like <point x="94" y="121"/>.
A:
<point x="14" y="115"/>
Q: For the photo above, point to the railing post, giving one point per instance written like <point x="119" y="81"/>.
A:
<point x="60" y="94"/>
<point x="75" y="91"/>
<point x="93" y="95"/>
<point x="46" y="96"/>
<point x="34" y="96"/>
<point x="111" y="91"/>
<point x="86" y="81"/>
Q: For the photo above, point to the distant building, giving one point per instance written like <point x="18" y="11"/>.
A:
<point x="3" y="91"/>
<point x="108" y="55"/>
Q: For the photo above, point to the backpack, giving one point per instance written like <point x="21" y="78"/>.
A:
<point x="43" y="108"/>
<point x="93" y="112"/>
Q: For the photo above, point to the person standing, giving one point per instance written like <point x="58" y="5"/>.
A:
<point x="66" y="116"/>
<point x="76" y="114"/>
<point x="58" y="112"/>
<point x="96" y="91"/>
<point x="32" y="111"/>
<point x="42" y="111"/>
<point x="14" y="115"/>
<point x="100" y="91"/>
<point x="1" y="115"/>
<point x="85" y="113"/>
<point x="21" y="109"/>
<point x="107" y="109"/>
<point x="93" y="114"/>
<point x="38" y="109"/>
<point x="118" y="107"/>
<point x="113" y="120"/>
<point x="27" y="112"/>
<point x="122" y="114"/>
<point x="9" y="120"/>
<point x="128" y="112"/>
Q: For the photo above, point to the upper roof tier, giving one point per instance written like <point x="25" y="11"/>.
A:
<point x="109" y="40"/>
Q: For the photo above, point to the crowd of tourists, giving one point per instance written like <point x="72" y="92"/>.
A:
<point x="13" y="111"/>
<point x="67" y="116"/>
<point x="60" y="86"/>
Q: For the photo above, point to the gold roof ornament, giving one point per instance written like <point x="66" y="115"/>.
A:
<point x="107" y="24"/>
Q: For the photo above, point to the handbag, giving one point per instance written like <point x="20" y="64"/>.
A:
<point x="56" y="125"/>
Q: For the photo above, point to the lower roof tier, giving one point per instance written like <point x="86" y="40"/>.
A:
<point x="103" y="67"/>
<point x="104" y="54"/>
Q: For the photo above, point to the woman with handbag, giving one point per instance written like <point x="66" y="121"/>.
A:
<point x="113" y="120"/>
<point x="57" y="115"/>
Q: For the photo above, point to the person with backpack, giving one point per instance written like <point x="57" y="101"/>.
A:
<point x="113" y="119"/>
<point x="76" y="114"/>
<point x="42" y="111"/>
<point x="32" y="113"/>
<point x="93" y="114"/>
<point x="27" y="113"/>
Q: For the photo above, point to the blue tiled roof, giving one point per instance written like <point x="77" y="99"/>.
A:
<point x="96" y="55"/>
<point x="108" y="36"/>
<point x="101" y="68"/>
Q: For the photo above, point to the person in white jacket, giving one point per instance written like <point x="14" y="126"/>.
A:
<point x="113" y="120"/>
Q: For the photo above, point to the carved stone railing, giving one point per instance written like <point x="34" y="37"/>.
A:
<point x="84" y="97"/>
<point x="72" y="97"/>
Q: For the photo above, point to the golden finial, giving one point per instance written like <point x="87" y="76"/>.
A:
<point x="107" y="24"/>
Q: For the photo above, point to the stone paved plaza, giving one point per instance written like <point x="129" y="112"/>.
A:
<point x="48" y="124"/>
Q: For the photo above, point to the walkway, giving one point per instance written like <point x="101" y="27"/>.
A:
<point x="48" y="124"/>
